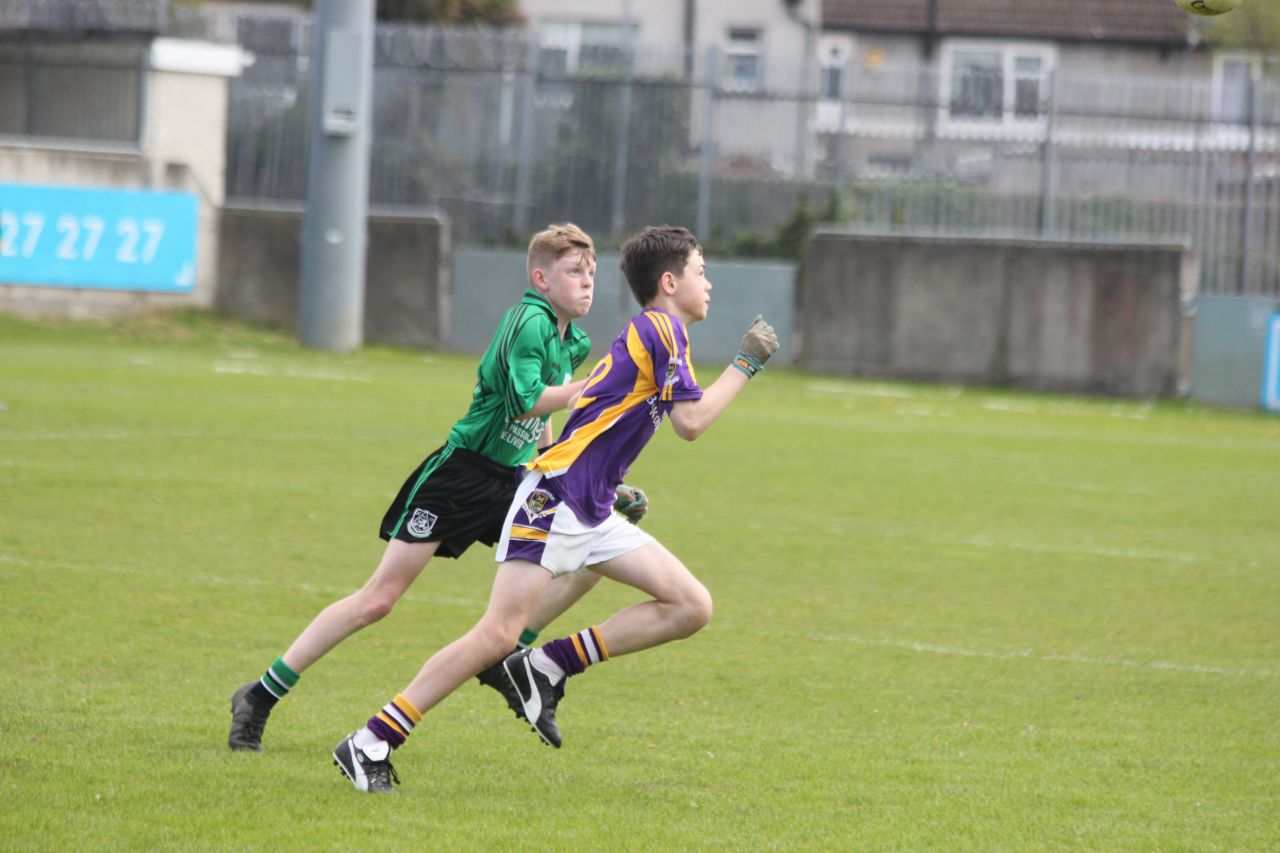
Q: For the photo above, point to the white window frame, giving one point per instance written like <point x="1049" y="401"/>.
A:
<point x="737" y="48"/>
<point x="1009" y="51"/>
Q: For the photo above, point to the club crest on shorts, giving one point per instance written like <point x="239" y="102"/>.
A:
<point x="420" y="523"/>
<point x="536" y="503"/>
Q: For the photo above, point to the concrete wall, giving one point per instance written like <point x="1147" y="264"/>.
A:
<point x="406" y="273"/>
<point x="488" y="281"/>
<point x="1047" y="316"/>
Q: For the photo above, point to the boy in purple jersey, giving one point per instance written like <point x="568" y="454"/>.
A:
<point x="560" y="522"/>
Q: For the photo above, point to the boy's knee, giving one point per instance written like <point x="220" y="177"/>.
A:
<point x="374" y="606"/>
<point x="695" y="610"/>
<point x="497" y="639"/>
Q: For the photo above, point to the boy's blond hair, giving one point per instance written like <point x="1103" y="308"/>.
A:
<point x="556" y="241"/>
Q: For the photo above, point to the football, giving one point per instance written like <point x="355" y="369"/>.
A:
<point x="1208" y="7"/>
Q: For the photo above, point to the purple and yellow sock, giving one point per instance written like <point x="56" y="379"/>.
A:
<point x="395" y="722"/>
<point x="576" y="652"/>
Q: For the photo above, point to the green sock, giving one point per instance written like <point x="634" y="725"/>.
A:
<point x="275" y="683"/>
<point x="527" y="638"/>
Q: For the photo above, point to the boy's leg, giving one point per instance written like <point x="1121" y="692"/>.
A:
<point x="516" y="589"/>
<point x="680" y="606"/>
<point x="561" y="594"/>
<point x="401" y="564"/>
<point x="365" y="756"/>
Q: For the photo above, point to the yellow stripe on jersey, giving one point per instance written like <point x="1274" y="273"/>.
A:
<point x="688" y="357"/>
<point x="562" y="455"/>
<point x="519" y="531"/>
<point x="567" y="450"/>
<point x="599" y="372"/>
<point x="643" y="361"/>
<point x="662" y="323"/>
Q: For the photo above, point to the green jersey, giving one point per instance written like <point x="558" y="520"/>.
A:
<point x="525" y="356"/>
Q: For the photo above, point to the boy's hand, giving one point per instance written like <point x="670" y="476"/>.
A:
<point x="758" y="344"/>
<point x="632" y="503"/>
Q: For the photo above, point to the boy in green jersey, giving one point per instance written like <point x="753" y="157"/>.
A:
<point x="460" y="493"/>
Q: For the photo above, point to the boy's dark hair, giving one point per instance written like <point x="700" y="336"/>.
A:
<point x="655" y="250"/>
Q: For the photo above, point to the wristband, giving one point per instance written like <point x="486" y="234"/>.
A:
<point x="747" y="364"/>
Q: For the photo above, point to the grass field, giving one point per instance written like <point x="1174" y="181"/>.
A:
<point x="945" y="619"/>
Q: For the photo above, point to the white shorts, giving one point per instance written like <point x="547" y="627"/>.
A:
<point x="543" y="529"/>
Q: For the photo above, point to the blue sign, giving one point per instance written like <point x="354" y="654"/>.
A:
<point x="110" y="239"/>
<point x="1271" y="367"/>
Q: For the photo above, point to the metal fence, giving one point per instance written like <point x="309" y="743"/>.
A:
<point x="505" y="134"/>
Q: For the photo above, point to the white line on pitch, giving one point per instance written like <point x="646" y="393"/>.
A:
<point x="1128" y="663"/>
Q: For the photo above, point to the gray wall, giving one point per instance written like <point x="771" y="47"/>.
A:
<point x="406" y="273"/>
<point x="1038" y="315"/>
<point x="487" y="281"/>
<point x="1230" y="347"/>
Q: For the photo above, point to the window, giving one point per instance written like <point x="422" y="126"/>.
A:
<point x="557" y="48"/>
<point x="603" y="48"/>
<point x="743" y="72"/>
<point x="977" y="87"/>
<point x="996" y="83"/>
<point x="834" y="57"/>
<point x="1232" y="89"/>
<point x="567" y="48"/>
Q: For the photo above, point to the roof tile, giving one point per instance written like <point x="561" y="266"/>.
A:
<point x="1130" y="21"/>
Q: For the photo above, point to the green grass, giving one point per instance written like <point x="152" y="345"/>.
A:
<point x="945" y="619"/>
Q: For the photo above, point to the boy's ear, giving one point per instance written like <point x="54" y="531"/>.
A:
<point x="538" y="278"/>
<point x="667" y="283"/>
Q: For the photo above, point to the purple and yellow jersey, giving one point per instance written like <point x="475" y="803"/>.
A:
<point x="629" y="392"/>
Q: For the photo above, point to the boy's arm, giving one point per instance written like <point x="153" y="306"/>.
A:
<point x="554" y="398"/>
<point x="547" y="438"/>
<point x="690" y="418"/>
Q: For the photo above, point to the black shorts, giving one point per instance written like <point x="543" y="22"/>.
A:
<point x="455" y="497"/>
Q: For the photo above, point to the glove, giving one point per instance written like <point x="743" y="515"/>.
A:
<point x="760" y="342"/>
<point x="632" y="503"/>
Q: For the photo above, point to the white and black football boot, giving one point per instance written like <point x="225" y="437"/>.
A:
<point x="372" y="773"/>
<point x="538" y="696"/>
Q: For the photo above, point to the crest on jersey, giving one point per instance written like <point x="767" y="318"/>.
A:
<point x="535" y="504"/>
<point x="672" y="367"/>
<point x="420" y="523"/>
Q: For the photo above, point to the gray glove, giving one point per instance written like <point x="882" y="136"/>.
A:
<point x="632" y="503"/>
<point x="760" y="342"/>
